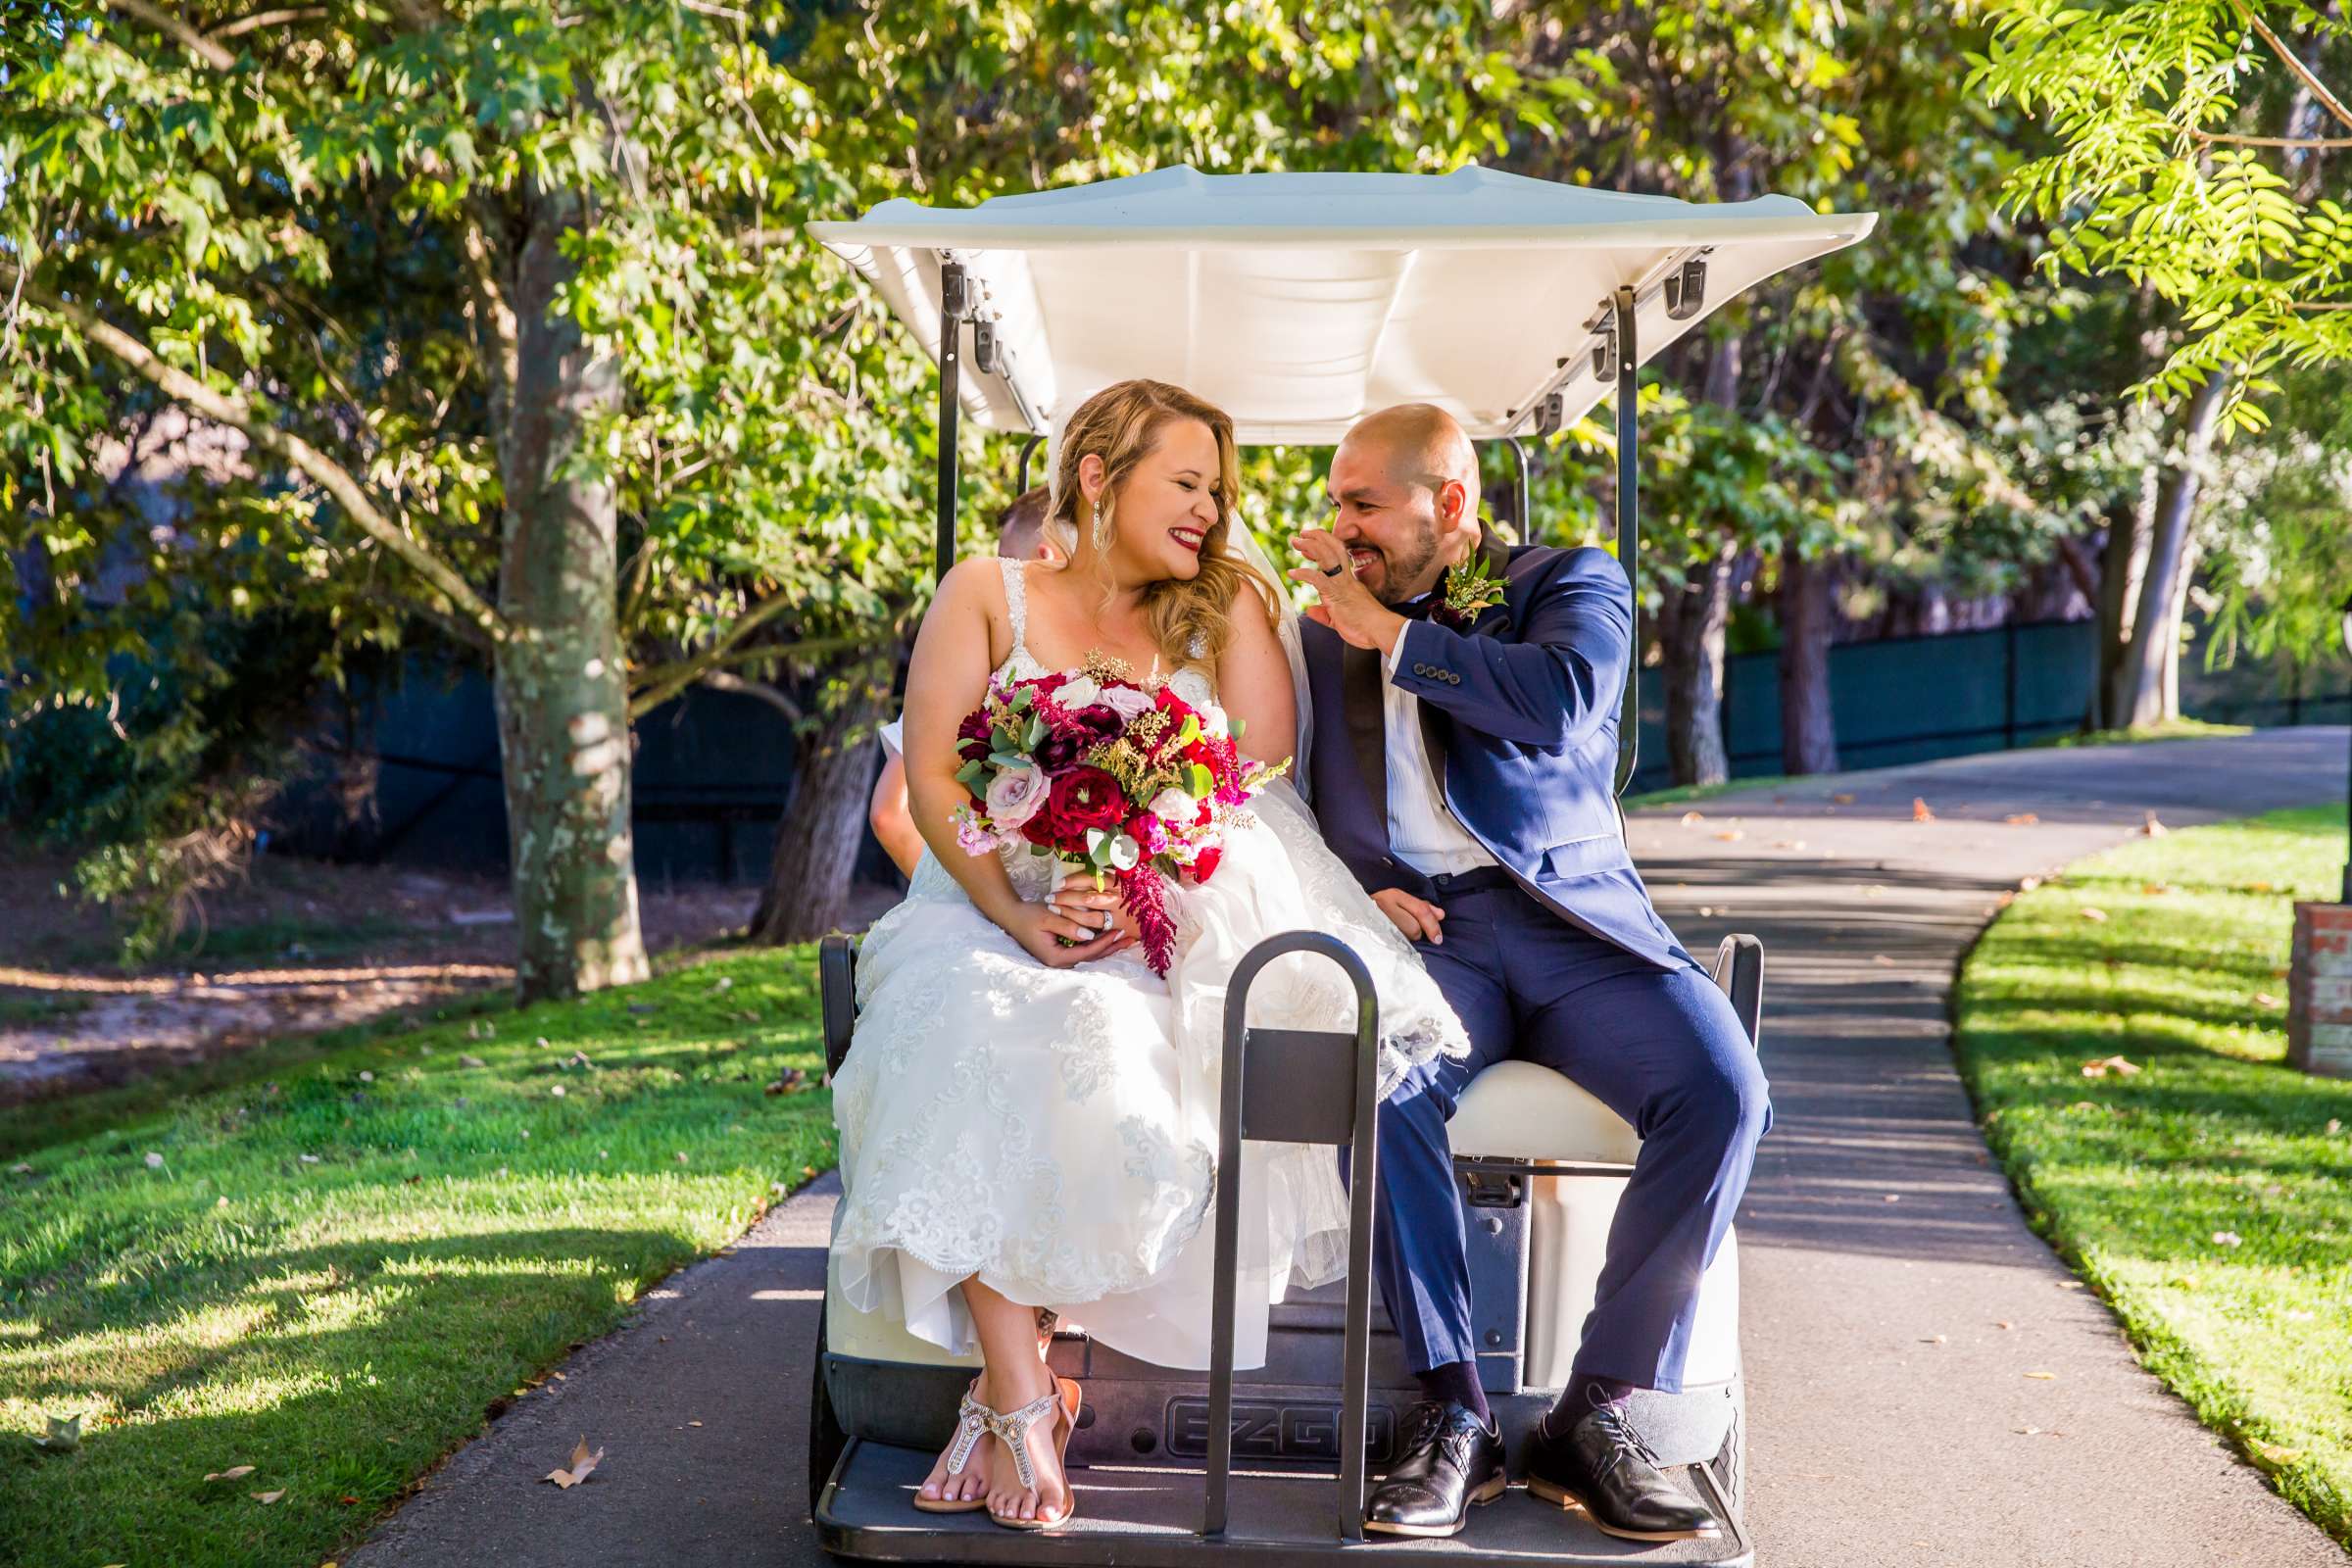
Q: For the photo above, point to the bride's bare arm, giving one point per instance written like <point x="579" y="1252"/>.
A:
<point x="945" y="680"/>
<point x="1253" y="682"/>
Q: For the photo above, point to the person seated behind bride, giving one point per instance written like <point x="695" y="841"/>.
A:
<point x="1023" y="533"/>
<point x="1028" y="1112"/>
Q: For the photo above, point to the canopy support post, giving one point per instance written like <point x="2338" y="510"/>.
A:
<point x="1520" y="531"/>
<point x="1020" y="485"/>
<point x="950" y="406"/>
<point x="1628" y="528"/>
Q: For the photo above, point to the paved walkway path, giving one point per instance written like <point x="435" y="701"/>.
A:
<point x="1872" y="1446"/>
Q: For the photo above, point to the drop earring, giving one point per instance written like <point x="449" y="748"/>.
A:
<point x="1102" y="522"/>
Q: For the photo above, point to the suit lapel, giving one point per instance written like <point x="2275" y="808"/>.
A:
<point x="1361" y="700"/>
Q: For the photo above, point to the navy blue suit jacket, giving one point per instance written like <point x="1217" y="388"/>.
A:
<point x="1519" y="715"/>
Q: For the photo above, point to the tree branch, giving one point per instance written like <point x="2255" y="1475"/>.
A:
<point x="187" y="38"/>
<point x="331" y="476"/>
<point x="2294" y="63"/>
<point x="660" y="684"/>
<point x="267" y="19"/>
<point x="2274" y="141"/>
<point x="720" y="680"/>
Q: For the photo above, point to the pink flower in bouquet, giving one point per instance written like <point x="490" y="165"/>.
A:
<point x="1174" y="806"/>
<point x="972" y="837"/>
<point x="1128" y="701"/>
<point x="1016" y="794"/>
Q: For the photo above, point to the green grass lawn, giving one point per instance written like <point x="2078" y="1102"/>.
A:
<point x="2208" y="1196"/>
<point x="331" y="1268"/>
<point x="2175" y="729"/>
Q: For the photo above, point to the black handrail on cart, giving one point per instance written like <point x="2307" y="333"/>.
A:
<point x="1295" y="1080"/>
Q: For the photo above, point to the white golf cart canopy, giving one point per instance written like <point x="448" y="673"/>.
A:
<point x="1300" y="303"/>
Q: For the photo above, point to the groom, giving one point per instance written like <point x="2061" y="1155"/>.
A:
<point x="1467" y="700"/>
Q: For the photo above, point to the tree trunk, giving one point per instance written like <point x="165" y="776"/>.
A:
<point x="1690" y="627"/>
<point x="1691" y="624"/>
<point x="560" y="681"/>
<point x="808" y="892"/>
<point x="1808" y="728"/>
<point x="2141" y="695"/>
<point x="2120" y="563"/>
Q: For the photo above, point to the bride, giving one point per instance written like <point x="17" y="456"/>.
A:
<point x="1028" y="1114"/>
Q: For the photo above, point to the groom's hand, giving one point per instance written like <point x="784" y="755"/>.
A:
<point x="1347" y="605"/>
<point x="1418" y="918"/>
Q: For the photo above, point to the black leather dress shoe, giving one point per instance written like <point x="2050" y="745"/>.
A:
<point x="1451" y="1460"/>
<point x="1601" y="1466"/>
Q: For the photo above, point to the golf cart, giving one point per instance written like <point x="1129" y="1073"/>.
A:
<point x="1298" y="303"/>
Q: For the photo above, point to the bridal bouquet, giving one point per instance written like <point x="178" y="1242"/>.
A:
<point x="1115" y="780"/>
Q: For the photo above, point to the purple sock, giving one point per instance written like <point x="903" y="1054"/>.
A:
<point x="1456" y="1382"/>
<point x="1583" y="1392"/>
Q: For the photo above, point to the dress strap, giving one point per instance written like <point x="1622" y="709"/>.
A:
<point x="1016" y="601"/>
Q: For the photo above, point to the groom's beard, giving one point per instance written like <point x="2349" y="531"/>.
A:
<point x="1401" y="572"/>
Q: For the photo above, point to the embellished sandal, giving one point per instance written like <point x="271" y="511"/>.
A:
<point x="973" y="1421"/>
<point x="1012" y="1429"/>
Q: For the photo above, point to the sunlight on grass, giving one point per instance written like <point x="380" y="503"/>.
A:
<point x="2209" y="1194"/>
<point x="332" y="1269"/>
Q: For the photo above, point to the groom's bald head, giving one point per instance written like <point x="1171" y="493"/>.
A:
<point x="1404" y="498"/>
<point x="1420" y="444"/>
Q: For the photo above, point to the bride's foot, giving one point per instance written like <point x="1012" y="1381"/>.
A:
<point x="1037" y="1414"/>
<point x="949" y="1489"/>
<point x="959" y="1477"/>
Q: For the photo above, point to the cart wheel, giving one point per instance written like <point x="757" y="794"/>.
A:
<point x="1729" y="1468"/>
<point x="827" y="1439"/>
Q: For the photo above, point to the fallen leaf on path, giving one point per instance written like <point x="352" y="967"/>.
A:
<point x="2026" y="1432"/>
<point x="2155" y="890"/>
<point x="1895" y="1197"/>
<point x="2110" y="1064"/>
<point x="1842" y="799"/>
<point x="2022" y="819"/>
<point x="1873" y="891"/>
<point x="582" y="1461"/>
<point x="1787" y="843"/>
<point x="268" y="1497"/>
<point x="2272" y="1453"/>
<point x="1731" y="835"/>
<point x="2091" y="913"/>
<point x="1693" y="818"/>
<point x="2042" y="1376"/>
<point x="1882" y="958"/>
<point x="1918" y="810"/>
<point x="1936" y="1339"/>
<point x="693" y="1423"/>
<point x="64" y="1437"/>
<point x="231" y="1473"/>
<point x="2153" y="829"/>
<point x="2004" y="1323"/>
<point x="2069" y="1285"/>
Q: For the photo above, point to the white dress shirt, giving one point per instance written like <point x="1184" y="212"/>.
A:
<point x="1422" y="830"/>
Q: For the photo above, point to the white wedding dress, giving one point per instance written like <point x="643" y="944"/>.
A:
<point x="1054" y="1132"/>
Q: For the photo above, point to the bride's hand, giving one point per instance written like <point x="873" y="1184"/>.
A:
<point x="1038" y="926"/>
<point x="1094" y="912"/>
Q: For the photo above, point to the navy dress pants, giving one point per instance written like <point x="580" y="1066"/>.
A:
<point x="1663" y="1049"/>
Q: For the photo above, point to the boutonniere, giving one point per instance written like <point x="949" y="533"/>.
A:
<point x="1470" y="587"/>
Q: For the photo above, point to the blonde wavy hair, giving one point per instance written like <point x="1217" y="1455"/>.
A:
<point x="1121" y="424"/>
